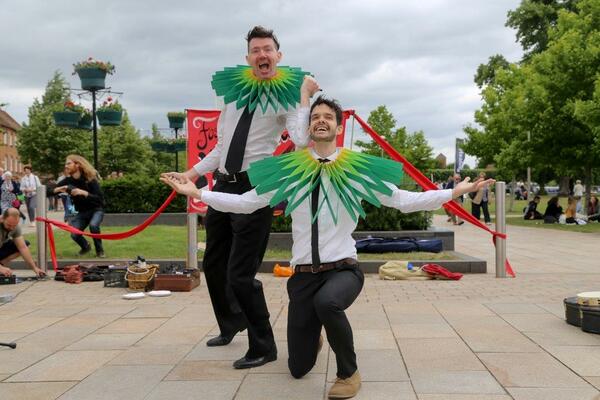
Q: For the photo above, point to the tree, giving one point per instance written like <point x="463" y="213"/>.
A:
<point x="533" y="19"/>
<point x="41" y="142"/>
<point x="122" y="149"/>
<point x="412" y="146"/>
<point x="554" y="97"/>
<point x="487" y="72"/>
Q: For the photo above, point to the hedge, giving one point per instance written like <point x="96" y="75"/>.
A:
<point x="144" y="195"/>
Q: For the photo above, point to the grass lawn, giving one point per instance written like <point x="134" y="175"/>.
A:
<point x="162" y="241"/>
<point x="592" y="227"/>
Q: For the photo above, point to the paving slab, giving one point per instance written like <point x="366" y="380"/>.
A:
<point x="281" y="386"/>
<point x="117" y="382"/>
<point x="374" y="365"/>
<point x="180" y="390"/>
<point x="158" y="355"/>
<point x="206" y="371"/>
<point x="65" y="366"/>
<point x="530" y="370"/>
<point x="34" y="390"/>
<point x="554" y="393"/>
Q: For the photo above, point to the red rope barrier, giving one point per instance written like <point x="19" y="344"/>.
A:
<point x="426" y="184"/>
<point x="107" y="236"/>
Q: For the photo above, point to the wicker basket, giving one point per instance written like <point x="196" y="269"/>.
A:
<point x="141" y="278"/>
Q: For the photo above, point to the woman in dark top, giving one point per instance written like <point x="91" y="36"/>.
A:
<point x="83" y="187"/>
<point x="593" y="209"/>
<point x="553" y="211"/>
<point x="531" y="211"/>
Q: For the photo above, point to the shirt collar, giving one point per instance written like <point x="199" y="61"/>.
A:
<point x="330" y="157"/>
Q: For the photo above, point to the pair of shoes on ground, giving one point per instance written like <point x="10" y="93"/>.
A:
<point x="85" y="250"/>
<point x="244" y="362"/>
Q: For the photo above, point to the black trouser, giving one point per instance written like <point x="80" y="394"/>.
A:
<point x="477" y="208"/>
<point x="235" y="246"/>
<point x="318" y="300"/>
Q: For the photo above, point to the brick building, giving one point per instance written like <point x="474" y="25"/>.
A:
<point x="9" y="159"/>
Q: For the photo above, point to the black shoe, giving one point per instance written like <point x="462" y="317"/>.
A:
<point x="222" y="340"/>
<point x="85" y="250"/>
<point x="100" y="254"/>
<point x="246" y="362"/>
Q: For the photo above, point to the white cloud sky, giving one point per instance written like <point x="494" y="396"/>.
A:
<point x="416" y="57"/>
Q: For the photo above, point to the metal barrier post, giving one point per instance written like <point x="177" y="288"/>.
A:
<point x="192" y="235"/>
<point x="500" y="228"/>
<point x="41" y="208"/>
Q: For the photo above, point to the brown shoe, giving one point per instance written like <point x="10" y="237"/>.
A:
<point x="345" y="388"/>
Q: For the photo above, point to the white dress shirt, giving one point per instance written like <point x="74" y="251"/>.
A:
<point x="335" y="240"/>
<point x="263" y="136"/>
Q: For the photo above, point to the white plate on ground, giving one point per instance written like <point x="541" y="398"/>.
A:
<point x="133" y="296"/>
<point x="159" y="293"/>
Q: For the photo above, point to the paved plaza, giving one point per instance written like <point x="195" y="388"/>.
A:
<point x="479" y="338"/>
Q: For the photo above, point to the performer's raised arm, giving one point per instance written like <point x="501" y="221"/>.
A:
<point x="297" y="122"/>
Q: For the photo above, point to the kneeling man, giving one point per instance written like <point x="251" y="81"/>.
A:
<point x="324" y="187"/>
<point x="12" y="243"/>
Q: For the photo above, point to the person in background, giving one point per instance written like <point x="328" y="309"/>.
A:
<point x="578" y="194"/>
<point x="593" y="209"/>
<point x="479" y="202"/>
<point x="7" y="192"/>
<point x="82" y="184"/>
<point x="553" y="211"/>
<point x="531" y="211"/>
<point x="450" y="185"/>
<point x="65" y="198"/>
<point x="29" y="184"/>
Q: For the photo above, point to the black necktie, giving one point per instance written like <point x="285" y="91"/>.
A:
<point x="314" y="237"/>
<point x="237" y="147"/>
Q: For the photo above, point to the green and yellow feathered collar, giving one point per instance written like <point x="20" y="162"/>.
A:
<point x="353" y="177"/>
<point x="239" y="84"/>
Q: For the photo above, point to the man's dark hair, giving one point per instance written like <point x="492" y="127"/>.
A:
<point x="331" y="103"/>
<point x="536" y="198"/>
<point x="261" y="32"/>
<point x="28" y="167"/>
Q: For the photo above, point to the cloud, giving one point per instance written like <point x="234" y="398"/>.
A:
<point x="417" y="58"/>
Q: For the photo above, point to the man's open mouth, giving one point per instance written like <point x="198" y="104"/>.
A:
<point x="264" y="66"/>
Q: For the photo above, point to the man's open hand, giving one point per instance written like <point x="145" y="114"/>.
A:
<point x="181" y="184"/>
<point x="467" y="186"/>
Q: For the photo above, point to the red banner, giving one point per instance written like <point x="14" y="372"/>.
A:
<point x="202" y="138"/>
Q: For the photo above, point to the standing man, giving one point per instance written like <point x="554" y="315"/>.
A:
<point x="12" y="243"/>
<point x="250" y="124"/>
<point x="324" y="187"/>
<point x="82" y="185"/>
<point x="29" y="184"/>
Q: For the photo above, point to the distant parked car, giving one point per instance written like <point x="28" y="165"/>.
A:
<point x="552" y="190"/>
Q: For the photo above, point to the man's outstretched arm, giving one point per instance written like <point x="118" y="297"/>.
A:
<point x="245" y="203"/>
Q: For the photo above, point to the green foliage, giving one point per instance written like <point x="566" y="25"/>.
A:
<point x="176" y="114"/>
<point x="110" y="105"/>
<point x="413" y="147"/>
<point x="533" y="19"/>
<point x="120" y="148"/>
<point x="138" y="194"/>
<point x="45" y="145"/>
<point x="486" y="73"/>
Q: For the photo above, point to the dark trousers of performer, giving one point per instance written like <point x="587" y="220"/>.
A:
<point x="318" y="300"/>
<point x="93" y="218"/>
<point x="477" y="208"/>
<point x="235" y="246"/>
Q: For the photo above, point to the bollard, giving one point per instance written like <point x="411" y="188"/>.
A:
<point x="41" y="208"/>
<point x="500" y="228"/>
<point x="192" y="234"/>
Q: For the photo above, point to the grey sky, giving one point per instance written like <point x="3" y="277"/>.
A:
<point x="416" y="57"/>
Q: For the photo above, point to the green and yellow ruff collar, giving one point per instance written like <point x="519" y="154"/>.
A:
<point x="239" y="84"/>
<point x="354" y="177"/>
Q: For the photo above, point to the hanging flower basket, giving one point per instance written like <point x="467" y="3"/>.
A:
<point x="66" y="118"/>
<point x="110" y="117"/>
<point x="176" y="119"/>
<point x="92" y="78"/>
<point x="93" y="73"/>
<point x="85" y="122"/>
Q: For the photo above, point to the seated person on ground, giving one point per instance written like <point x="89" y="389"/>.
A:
<point x="12" y="243"/>
<point x="531" y="211"/>
<point x="553" y="211"/>
<point x="593" y="209"/>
